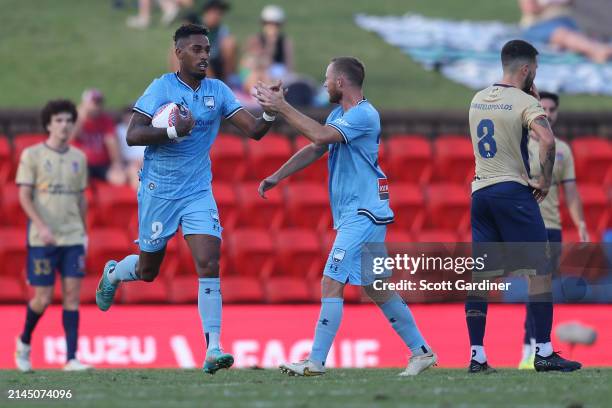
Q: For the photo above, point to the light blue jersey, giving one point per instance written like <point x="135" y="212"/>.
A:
<point x="357" y="185"/>
<point x="181" y="168"/>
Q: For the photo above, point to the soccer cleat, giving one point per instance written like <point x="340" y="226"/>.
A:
<point x="216" y="360"/>
<point x="418" y="364"/>
<point x="105" y="293"/>
<point x="555" y="362"/>
<point x="527" y="364"/>
<point x="22" y="356"/>
<point x="484" y="368"/>
<point x="305" y="368"/>
<point x="75" y="365"/>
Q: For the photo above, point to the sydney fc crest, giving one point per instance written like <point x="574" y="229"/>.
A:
<point x="209" y="102"/>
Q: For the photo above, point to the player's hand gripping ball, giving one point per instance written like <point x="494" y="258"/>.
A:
<point x="172" y="114"/>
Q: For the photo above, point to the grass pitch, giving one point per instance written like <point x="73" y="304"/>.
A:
<point x="338" y="388"/>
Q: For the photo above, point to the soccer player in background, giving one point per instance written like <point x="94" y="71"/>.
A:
<point x="360" y="207"/>
<point x="52" y="177"/>
<point x="563" y="174"/>
<point x="175" y="187"/>
<point x="504" y="202"/>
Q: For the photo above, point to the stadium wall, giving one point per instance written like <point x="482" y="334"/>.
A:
<point x="265" y="336"/>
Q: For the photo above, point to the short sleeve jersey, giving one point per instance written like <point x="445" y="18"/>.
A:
<point x="357" y="185"/>
<point x="57" y="179"/>
<point x="182" y="167"/>
<point x="500" y="118"/>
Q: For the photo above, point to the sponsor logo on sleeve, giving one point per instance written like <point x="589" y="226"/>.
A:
<point x="383" y="189"/>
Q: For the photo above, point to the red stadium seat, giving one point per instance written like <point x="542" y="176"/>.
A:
<point x="229" y="159"/>
<point x="13" y="252"/>
<point x="596" y="207"/>
<point x="408" y="204"/>
<point x="267" y="155"/>
<point x="298" y="253"/>
<point x="24" y="140"/>
<point x="252" y="252"/>
<point x="116" y="205"/>
<point x="6" y="160"/>
<point x="145" y="292"/>
<point x="241" y="289"/>
<point x="287" y="289"/>
<point x="395" y="234"/>
<point x="89" y="284"/>
<point x="227" y="203"/>
<point x="255" y="211"/>
<point x="409" y="159"/>
<point x="437" y="235"/>
<point x="11" y="211"/>
<point x="592" y="159"/>
<point x="448" y="206"/>
<point x="183" y="289"/>
<point x="12" y="290"/>
<point x="308" y="205"/>
<point x="454" y="159"/>
<point x="317" y="171"/>
<point x="106" y="244"/>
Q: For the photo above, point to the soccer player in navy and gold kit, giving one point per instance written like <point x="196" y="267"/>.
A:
<point x="359" y="199"/>
<point x="52" y="177"/>
<point x="504" y="200"/>
<point x="563" y="175"/>
<point x="175" y="186"/>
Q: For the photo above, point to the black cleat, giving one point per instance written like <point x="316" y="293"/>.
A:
<point x="484" y="368"/>
<point x="555" y="362"/>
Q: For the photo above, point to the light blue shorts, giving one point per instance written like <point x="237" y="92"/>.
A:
<point x="344" y="261"/>
<point x="159" y="218"/>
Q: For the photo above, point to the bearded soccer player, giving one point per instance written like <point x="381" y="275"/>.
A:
<point x="52" y="177"/>
<point x="175" y="187"/>
<point x="563" y="175"/>
<point x="360" y="206"/>
<point x="504" y="202"/>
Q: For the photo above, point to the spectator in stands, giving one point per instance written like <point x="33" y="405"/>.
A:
<point x="223" y="46"/>
<point x="132" y="156"/>
<point x="52" y="177"/>
<point x="271" y="46"/>
<point x="551" y="22"/>
<point x="94" y="133"/>
<point x="170" y="9"/>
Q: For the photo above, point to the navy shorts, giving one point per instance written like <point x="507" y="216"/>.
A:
<point x="43" y="262"/>
<point x="508" y="212"/>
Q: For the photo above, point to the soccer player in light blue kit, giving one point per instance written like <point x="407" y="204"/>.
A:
<point x="175" y="187"/>
<point x="359" y="198"/>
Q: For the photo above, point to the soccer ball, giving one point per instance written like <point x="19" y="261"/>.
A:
<point x="167" y="114"/>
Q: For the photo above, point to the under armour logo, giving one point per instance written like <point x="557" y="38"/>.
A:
<point x="393" y="320"/>
<point x="473" y="353"/>
<point x="324" y="322"/>
<point x="207" y="291"/>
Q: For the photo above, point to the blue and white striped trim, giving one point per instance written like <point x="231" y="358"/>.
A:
<point x="135" y="109"/>
<point x="375" y="219"/>
<point x="340" y="131"/>
<point x="235" y="111"/>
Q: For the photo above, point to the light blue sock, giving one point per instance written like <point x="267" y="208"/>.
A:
<point x="399" y="315"/>
<point x="209" y="306"/>
<point x="327" y="326"/>
<point x="125" y="270"/>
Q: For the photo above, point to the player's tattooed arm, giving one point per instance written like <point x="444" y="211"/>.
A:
<point x="546" y="138"/>
<point x="249" y="125"/>
<point x="141" y="133"/>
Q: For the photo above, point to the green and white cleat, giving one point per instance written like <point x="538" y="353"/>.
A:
<point x="216" y="360"/>
<point x="105" y="293"/>
<point x="527" y="364"/>
<point x="305" y="368"/>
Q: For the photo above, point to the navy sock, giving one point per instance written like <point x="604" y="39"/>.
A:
<point x="30" y="323"/>
<point x="70" y="319"/>
<point x="542" y="311"/>
<point x="529" y="326"/>
<point x="476" y="319"/>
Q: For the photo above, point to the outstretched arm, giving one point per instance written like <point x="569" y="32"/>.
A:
<point x="303" y="158"/>
<point x="249" y="125"/>
<point x="274" y="101"/>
